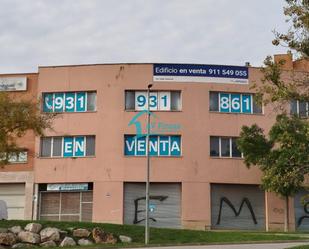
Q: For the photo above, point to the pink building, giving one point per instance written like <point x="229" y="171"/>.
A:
<point x="92" y="165"/>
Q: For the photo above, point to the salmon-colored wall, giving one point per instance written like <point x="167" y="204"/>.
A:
<point x="109" y="169"/>
<point x="28" y="140"/>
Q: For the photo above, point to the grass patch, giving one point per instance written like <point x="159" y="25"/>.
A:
<point x="160" y="236"/>
<point x="299" y="247"/>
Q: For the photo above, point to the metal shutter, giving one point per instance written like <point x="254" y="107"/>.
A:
<point x="301" y="207"/>
<point x="165" y="203"/>
<point x="237" y="207"/>
<point x="14" y="197"/>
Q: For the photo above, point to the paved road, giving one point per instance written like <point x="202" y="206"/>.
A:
<point x="239" y="246"/>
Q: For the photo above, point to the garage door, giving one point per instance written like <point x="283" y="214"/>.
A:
<point x="165" y="204"/>
<point x="14" y="197"/>
<point x="237" y="207"/>
<point x="301" y="207"/>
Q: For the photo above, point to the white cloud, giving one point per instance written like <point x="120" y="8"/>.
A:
<point x="57" y="32"/>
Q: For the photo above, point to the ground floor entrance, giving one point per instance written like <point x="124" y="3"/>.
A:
<point x="236" y="206"/>
<point x="12" y="197"/>
<point x="165" y="204"/>
<point x="65" y="202"/>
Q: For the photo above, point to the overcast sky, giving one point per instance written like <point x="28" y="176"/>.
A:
<point x="56" y="32"/>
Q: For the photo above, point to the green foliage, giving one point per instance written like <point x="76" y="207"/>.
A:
<point x="274" y="89"/>
<point x="16" y="118"/>
<point x="297" y="38"/>
<point x="295" y="85"/>
<point x="283" y="157"/>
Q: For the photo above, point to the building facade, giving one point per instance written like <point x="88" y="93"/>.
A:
<point x="17" y="178"/>
<point x="92" y="165"/>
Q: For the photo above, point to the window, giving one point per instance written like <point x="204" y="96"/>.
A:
<point x="233" y="103"/>
<point x="77" y="146"/>
<point x="161" y="145"/>
<point x="224" y="147"/>
<point x="300" y="108"/>
<point x="69" y="102"/>
<point x="158" y="100"/>
<point x="16" y="157"/>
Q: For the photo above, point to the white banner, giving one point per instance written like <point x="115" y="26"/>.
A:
<point x="13" y="84"/>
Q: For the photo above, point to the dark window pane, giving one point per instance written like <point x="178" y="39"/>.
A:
<point x="302" y="109"/>
<point x="130" y="100"/>
<point x="175" y="101"/>
<point x="235" y="151"/>
<point x="214" y="146"/>
<point x="90" y="145"/>
<point x="213" y="102"/>
<point x="57" y="146"/>
<point x="225" y="147"/>
<point x="91" y="101"/>
<point x="257" y="107"/>
<point x="294" y="107"/>
<point x="45" y="146"/>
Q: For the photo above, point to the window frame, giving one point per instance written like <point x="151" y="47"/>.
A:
<point x="220" y="148"/>
<point x="158" y="105"/>
<point x="75" y="98"/>
<point x="62" y="146"/>
<point x="241" y="94"/>
<point x="158" y="139"/>
<point x="298" y="102"/>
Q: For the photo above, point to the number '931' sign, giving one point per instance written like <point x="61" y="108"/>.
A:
<point x="157" y="101"/>
<point x="68" y="102"/>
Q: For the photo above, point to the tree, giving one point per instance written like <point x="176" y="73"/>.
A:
<point x="16" y="118"/>
<point x="275" y="89"/>
<point x="297" y="38"/>
<point x="283" y="156"/>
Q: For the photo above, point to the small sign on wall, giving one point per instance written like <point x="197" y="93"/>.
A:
<point x="67" y="186"/>
<point x="8" y="84"/>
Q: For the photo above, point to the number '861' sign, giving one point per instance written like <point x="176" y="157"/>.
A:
<point x="236" y="103"/>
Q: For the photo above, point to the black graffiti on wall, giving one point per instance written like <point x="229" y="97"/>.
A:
<point x="237" y="213"/>
<point x="137" y="210"/>
<point x="300" y="220"/>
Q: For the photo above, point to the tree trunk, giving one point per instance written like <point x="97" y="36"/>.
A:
<point x="286" y="214"/>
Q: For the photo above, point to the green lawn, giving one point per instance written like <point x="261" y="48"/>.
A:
<point x="299" y="247"/>
<point x="168" y="236"/>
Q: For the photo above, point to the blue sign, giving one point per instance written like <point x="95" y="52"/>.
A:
<point x="158" y="145"/>
<point x="200" y="73"/>
<point x="247" y="103"/>
<point x="224" y="102"/>
<point x="65" y="102"/>
<point x="235" y="102"/>
<point x="74" y="147"/>
<point x="81" y="102"/>
<point x="48" y="102"/>
<point x="68" y="147"/>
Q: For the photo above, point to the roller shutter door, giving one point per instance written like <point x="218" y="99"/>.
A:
<point x="165" y="204"/>
<point x="301" y="207"/>
<point x="14" y="197"/>
<point x="237" y="207"/>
